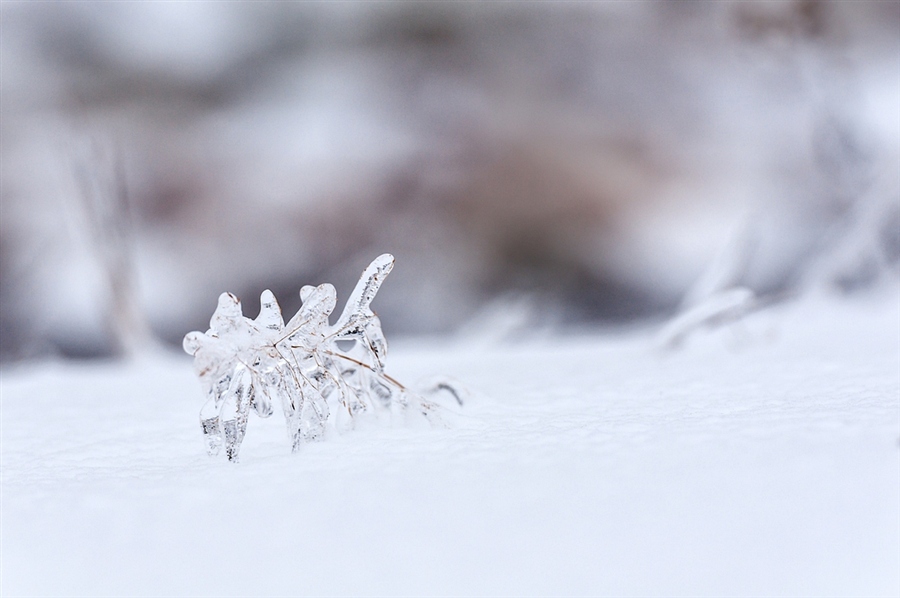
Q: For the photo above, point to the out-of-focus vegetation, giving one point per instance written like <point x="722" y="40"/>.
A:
<point x="593" y="158"/>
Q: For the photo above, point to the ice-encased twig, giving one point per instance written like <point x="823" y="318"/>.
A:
<point x="246" y="365"/>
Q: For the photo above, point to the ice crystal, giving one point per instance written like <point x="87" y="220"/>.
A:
<point x="249" y="365"/>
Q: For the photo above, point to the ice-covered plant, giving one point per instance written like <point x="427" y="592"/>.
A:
<point x="246" y="365"/>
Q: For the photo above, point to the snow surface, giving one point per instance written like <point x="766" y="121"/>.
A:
<point x="762" y="458"/>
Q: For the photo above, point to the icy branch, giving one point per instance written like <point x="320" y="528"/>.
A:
<point x="246" y="365"/>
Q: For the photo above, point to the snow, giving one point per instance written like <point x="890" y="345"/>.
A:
<point x="760" y="458"/>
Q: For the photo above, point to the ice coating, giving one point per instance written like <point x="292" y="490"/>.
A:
<point x="248" y="365"/>
<point x="269" y="317"/>
<point x="227" y="316"/>
<point x="358" y="304"/>
<point x="358" y="322"/>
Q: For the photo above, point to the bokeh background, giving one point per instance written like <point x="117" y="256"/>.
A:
<point x="532" y="166"/>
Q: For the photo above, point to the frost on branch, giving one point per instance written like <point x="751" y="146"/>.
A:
<point x="246" y="365"/>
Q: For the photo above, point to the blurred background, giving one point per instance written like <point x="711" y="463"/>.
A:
<point x="551" y="166"/>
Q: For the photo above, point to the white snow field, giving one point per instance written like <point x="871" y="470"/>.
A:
<point x="761" y="458"/>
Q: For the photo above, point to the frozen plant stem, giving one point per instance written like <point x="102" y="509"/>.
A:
<point x="246" y="365"/>
<point x="100" y="177"/>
